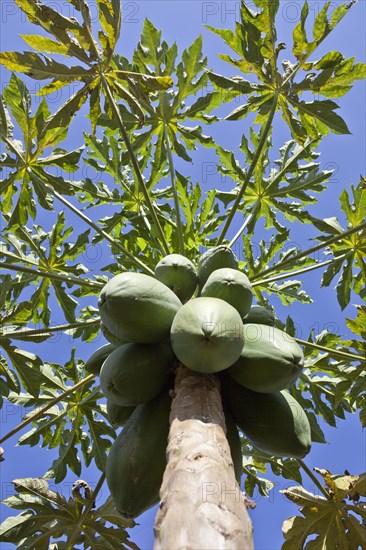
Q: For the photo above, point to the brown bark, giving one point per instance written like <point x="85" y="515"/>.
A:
<point x="202" y="507"/>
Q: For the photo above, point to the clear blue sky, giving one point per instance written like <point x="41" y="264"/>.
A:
<point x="182" y="21"/>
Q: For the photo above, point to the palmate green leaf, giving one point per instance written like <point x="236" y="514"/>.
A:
<point x="322" y="111"/>
<point x="74" y="425"/>
<point x="358" y="325"/>
<point x="331" y="76"/>
<point x="26" y="367"/>
<point x="41" y="67"/>
<point x="170" y="110"/>
<point x="348" y="253"/>
<point x="49" y="251"/>
<point x="40" y="131"/>
<point x="254" y="41"/>
<point x="332" y="521"/>
<point x="6" y="126"/>
<point x="48" y="516"/>
<point x="262" y="255"/>
<point x="56" y="24"/>
<point x="109" y="12"/>
<point x="329" y="386"/>
<point x="18" y="99"/>
<point x="256" y="462"/>
<point x="285" y="189"/>
<point x="302" y="47"/>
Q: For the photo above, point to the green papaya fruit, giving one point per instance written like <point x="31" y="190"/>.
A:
<point x="138" y="308"/>
<point x="137" y="459"/>
<point x="179" y="274"/>
<point x="260" y="315"/>
<point x="274" y="422"/>
<point x="135" y="373"/>
<point x="270" y="360"/>
<point x="233" y="438"/>
<point x="207" y="335"/>
<point x="95" y="361"/>
<point x="215" y="258"/>
<point x="117" y="414"/>
<point x="230" y="285"/>
<point x="111" y="337"/>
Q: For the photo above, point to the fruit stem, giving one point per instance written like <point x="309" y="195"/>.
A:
<point x="52" y="275"/>
<point x="263" y="139"/>
<point x="175" y="194"/>
<point x="50" y="404"/>
<point x="298" y="272"/>
<point x="309" y="251"/>
<point x="95" y="226"/>
<point x="344" y="354"/>
<point x="23" y="334"/>
<point x="135" y="164"/>
<point x="313" y="478"/>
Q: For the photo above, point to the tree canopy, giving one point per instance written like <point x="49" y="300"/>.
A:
<point x="74" y="215"/>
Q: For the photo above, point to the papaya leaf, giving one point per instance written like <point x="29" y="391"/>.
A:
<point x="332" y="521"/>
<point x="170" y="110"/>
<point x="18" y="99"/>
<point x="109" y="12"/>
<point x="332" y="75"/>
<point x="255" y="42"/>
<point x="48" y="251"/>
<point x="285" y="189"/>
<point x="6" y="126"/>
<point x="349" y="253"/>
<point x="47" y="516"/>
<point x="73" y="424"/>
<point x="58" y="25"/>
<point x="322" y="111"/>
<point x="39" y="131"/>
<point x="357" y="326"/>
<point x="41" y="67"/>
<point x="26" y="367"/>
<point x="255" y="463"/>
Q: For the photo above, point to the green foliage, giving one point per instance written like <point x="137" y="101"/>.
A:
<point x="145" y="113"/>
<point x="336" y="521"/>
<point x="47" y="515"/>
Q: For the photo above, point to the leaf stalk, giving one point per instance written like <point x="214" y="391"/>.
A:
<point x="23" y="334"/>
<point x="298" y="272"/>
<point x="135" y="164"/>
<point x="313" y="478"/>
<point x="175" y="194"/>
<point x="95" y="226"/>
<point x="50" y="404"/>
<point x="52" y="275"/>
<point x="309" y="251"/>
<point x="251" y="169"/>
<point x="331" y="351"/>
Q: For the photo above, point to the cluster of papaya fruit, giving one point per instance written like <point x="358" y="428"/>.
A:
<point x="205" y="320"/>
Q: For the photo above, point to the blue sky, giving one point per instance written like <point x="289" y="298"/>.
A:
<point x="183" y="22"/>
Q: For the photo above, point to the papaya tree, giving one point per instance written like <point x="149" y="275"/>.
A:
<point x="145" y="300"/>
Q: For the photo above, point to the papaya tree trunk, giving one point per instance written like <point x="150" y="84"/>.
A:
<point x="201" y="505"/>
